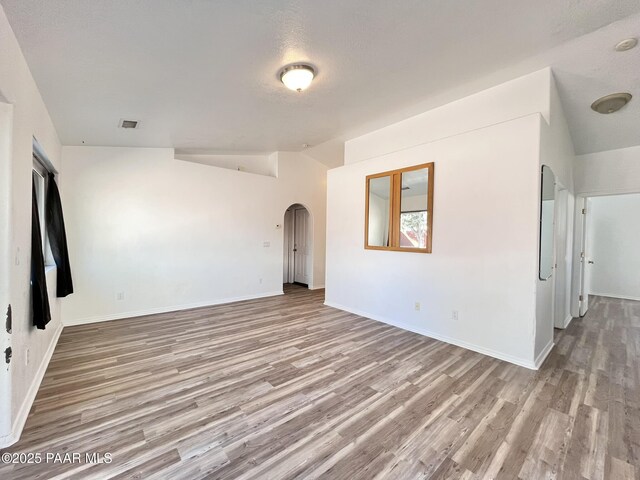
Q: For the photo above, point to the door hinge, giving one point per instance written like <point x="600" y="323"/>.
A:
<point x="584" y="211"/>
<point x="9" y="322"/>
<point x="581" y="254"/>
<point x="581" y="298"/>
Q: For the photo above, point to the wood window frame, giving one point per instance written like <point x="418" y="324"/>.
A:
<point x="395" y="198"/>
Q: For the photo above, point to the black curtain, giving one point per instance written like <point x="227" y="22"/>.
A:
<point x="39" y="297"/>
<point x="58" y="238"/>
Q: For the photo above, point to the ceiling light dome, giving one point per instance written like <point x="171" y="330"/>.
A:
<point x="626" y="44"/>
<point x="297" y="77"/>
<point x="611" y="103"/>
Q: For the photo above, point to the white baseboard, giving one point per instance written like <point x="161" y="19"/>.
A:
<point x="444" y="338"/>
<point x="565" y="323"/>
<point x="316" y="287"/>
<point x="172" y="308"/>
<point x="615" y="295"/>
<point x="543" y="354"/>
<point x="568" y="320"/>
<point x="25" y="408"/>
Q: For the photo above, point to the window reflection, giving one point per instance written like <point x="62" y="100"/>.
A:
<point x="414" y="209"/>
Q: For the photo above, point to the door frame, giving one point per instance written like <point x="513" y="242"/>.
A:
<point x="288" y="262"/>
<point x="289" y="240"/>
<point x="583" y="294"/>
<point x="561" y="248"/>
<point x="579" y="296"/>
<point x="7" y="433"/>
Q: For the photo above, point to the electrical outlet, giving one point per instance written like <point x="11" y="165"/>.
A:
<point x="260" y="280"/>
<point x="266" y="244"/>
<point x="454" y="315"/>
<point x="120" y="296"/>
<point x="417" y="306"/>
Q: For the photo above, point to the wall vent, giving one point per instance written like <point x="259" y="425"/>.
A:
<point x="129" y="124"/>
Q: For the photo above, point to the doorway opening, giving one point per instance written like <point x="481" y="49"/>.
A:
<point x="609" y="262"/>
<point x="298" y="248"/>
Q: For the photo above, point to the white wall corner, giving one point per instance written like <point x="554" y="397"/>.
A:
<point x="543" y="355"/>
<point x="568" y="320"/>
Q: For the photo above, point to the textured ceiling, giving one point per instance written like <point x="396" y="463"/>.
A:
<point x="589" y="68"/>
<point x="203" y="74"/>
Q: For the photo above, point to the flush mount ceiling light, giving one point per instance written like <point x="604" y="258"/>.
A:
<point x="626" y="44"/>
<point x="611" y="103"/>
<point x="298" y="76"/>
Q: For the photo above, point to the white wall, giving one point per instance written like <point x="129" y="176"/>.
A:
<point x="24" y="116"/>
<point x="484" y="260"/>
<point x="513" y="99"/>
<point x="265" y="164"/>
<point x="613" y="236"/>
<point x="556" y="152"/>
<point x="170" y="234"/>
<point x="608" y="173"/>
<point x="488" y="149"/>
<point x="6" y="118"/>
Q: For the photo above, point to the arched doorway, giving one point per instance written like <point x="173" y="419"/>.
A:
<point x="297" y="266"/>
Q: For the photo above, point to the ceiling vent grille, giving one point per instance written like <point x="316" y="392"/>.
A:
<point x="129" y="124"/>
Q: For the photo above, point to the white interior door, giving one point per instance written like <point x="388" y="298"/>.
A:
<point x="585" y="274"/>
<point x="301" y="252"/>
<point x="287" y="268"/>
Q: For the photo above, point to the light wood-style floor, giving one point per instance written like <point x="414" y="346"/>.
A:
<point x="286" y="387"/>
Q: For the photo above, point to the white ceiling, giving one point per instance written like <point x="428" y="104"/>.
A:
<point x="202" y="74"/>
<point x="588" y="68"/>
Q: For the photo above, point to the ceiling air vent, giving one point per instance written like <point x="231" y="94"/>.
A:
<point x="129" y="124"/>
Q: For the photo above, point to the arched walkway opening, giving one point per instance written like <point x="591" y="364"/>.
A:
<point x="297" y="268"/>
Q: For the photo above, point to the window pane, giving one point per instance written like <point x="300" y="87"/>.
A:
<point x="379" y="206"/>
<point x="413" y="209"/>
